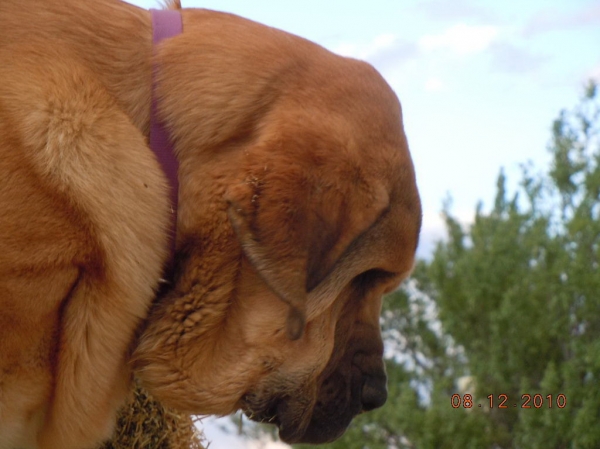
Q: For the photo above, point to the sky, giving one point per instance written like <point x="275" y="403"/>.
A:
<point x="480" y="82"/>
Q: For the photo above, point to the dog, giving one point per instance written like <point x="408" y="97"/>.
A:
<point x="298" y="209"/>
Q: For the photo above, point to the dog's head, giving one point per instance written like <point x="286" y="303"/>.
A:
<point x="290" y="231"/>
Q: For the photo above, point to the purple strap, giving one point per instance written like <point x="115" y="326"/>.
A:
<point x="165" y="24"/>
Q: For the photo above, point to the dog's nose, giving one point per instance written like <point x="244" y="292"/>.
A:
<point x="374" y="392"/>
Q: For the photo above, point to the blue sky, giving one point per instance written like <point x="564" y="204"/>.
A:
<point x="480" y="81"/>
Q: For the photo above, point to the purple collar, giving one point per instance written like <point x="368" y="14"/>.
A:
<point x="165" y="24"/>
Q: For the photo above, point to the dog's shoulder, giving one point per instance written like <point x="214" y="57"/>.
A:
<point x="82" y="241"/>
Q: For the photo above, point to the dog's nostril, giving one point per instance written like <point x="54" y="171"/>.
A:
<point x="374" y="393"/>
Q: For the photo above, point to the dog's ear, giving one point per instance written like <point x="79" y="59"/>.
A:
<point x="293" y="237"/>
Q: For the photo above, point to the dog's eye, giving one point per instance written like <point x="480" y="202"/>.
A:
<point x="372" y="277"/>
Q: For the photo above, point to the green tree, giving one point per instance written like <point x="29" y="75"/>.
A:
<point x="511" y="303"/>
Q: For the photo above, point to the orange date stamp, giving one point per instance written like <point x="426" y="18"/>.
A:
<point x="502" y="401"/>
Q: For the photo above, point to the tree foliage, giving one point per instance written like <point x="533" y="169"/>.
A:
<point x="509" y="305"/>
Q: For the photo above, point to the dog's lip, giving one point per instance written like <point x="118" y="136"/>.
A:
<point x="274" y="413"/>
<point x="264" y="417"/>
<point x="261" y="414"/>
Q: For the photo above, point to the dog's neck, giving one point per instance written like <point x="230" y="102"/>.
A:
<point x="129" y="78"/>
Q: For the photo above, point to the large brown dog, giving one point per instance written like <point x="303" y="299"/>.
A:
<point x="298" y="209"/>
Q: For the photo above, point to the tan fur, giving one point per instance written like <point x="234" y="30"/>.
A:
<point x="298" y="209"/>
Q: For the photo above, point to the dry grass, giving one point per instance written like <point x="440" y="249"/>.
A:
<point x="145" y="424"/>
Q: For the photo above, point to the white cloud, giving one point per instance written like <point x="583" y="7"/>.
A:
<point x="267" y="445"/>
<point x="223" y="433"/>
<point x="548" y="20"/>
<point x="383" y="51"/>
<point x="347" y="49"/>
<point x="434" y="85"/>
<point x="384" y="40"/>
<point x="461" y="39"/>
<point x="594" y="74"/>
<point x="434" y="228"/>
<point x="366" y="50"/>
<point x="507" y="57"/>
<point x="457" y="9"/>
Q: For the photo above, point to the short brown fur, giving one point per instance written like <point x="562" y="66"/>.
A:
<point x="298" y="209"/>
